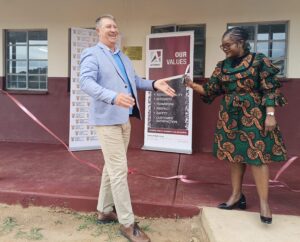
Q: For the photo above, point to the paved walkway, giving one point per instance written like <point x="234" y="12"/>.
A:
<point x="240" y="226"/>
<point x="47" y="175"/>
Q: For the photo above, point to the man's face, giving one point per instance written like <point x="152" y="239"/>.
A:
<point x="108" y="32"/>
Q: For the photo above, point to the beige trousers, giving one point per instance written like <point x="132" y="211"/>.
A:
<point x="114" y="190"/>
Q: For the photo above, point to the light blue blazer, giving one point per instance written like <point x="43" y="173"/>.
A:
<point x="101" y="78"/>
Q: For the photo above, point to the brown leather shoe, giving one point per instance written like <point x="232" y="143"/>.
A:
<point x="105" y="218"/>
<point x="134" y="233"/>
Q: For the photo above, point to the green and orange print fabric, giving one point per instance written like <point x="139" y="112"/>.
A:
<point x="247" y="90"/>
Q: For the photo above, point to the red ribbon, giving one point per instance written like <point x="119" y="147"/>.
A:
<point x="282" y="169"/>
<point x="275" y="182"/>
<point x="35" y="119"/>
<point x="184" y="178"/>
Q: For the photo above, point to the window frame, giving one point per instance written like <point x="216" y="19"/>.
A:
<point x="27" y="44"/>
<point x="256" y="26"/>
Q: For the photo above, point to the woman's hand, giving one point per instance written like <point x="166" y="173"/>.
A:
<point x="187" y="81"/>
<point x="270" y="123"/>
<point x="196" y="87"/>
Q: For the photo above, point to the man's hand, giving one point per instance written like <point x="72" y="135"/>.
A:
<point x="164" y="87"/>
<point x="124" y="100"/>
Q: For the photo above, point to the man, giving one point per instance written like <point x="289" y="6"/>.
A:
<point x="107" y="75"/>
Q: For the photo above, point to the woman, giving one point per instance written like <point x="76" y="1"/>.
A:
<point x="247" y="132"/>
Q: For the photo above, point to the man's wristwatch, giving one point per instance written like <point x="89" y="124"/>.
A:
<point x="271" y="113"/>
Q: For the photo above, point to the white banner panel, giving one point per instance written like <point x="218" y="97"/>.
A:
<point x="82" y="136"/>
<point x="168" y="121"/>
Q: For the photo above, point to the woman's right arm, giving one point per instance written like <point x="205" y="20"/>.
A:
<point x="211" y="89"/>
<point x="195" y="86"/>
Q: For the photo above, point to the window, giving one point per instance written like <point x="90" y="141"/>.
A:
<point x="26" y="60"/>
<point x="199" y="43"/>
<point x="269" y="39"/>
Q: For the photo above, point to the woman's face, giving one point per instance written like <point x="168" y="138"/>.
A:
<point x="231" y="48"/>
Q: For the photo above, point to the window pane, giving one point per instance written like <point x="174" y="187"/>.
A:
<point x="279" y="36"/>
<point x="11" y="81"/>
<point x="33" y="82"/>
<point x="43" y="82"/>
<point x="17" y="52"/>
<point x="33" y="85"/>
<point x="37" y="82"/>
<point x="17" y="67"/>
<point x="198" y="68"/>
<point x="199" y="31"/>
<point x="37" y="38"/>
<point x="163" y="29"/>
<point x="16" y="81"/>
<point x="278" y="31"/>
<point x="198" y="51"/>
<point x="26" y="59"/>
<point x="22" y="84"/>
<point x="38" y="67"/>
<point x="278" y="50"/>
<point x="38" y="52"/>
<point x="16" y="37"/>
<point x="263" y="32"/>
<point x="199" y="60"/>
<point x="262" y="47"/>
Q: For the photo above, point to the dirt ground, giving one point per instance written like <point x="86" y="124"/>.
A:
<point x="63" y="225"/>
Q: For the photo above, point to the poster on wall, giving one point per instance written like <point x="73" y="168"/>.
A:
<point x="168" y="121"/>
<point x="82" y="136"/>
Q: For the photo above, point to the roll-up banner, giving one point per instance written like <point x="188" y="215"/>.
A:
<point x="168" y="121"/>
<point x="82" y="136"/>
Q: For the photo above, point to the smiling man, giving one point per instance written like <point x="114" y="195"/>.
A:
<point x="107" y="75"/>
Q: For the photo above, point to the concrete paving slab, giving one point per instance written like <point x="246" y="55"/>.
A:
<point x="240" y="226"/>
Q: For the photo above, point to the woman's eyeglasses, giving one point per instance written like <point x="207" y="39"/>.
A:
<point x="226" y="46"/>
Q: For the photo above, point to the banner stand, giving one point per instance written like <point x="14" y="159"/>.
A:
<point x="168" y="121"/>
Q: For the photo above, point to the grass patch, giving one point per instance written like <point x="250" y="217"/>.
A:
<point x="146" y="228"/>
<point x="33" y="234"/>
<point x="89" y="222"/>
<point x="57" y="222"/>
<point x="8" y="225"/>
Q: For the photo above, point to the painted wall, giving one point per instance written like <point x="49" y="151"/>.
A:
<point x="135" y="18"/>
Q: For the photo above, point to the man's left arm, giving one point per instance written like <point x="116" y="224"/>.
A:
<point x="143" y="83"/>
<point x="150" y="85"/>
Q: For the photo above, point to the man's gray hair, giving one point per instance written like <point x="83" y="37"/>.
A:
<point x="99" y="19"/>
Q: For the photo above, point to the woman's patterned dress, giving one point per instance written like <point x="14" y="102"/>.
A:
<point x="247" y="90"/>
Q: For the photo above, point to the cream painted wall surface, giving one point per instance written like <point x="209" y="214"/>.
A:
<point x="1" y="54"/>
<point x="135" y="18"/>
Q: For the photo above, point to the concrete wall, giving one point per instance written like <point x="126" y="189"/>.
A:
<point x="135" y="18"/>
